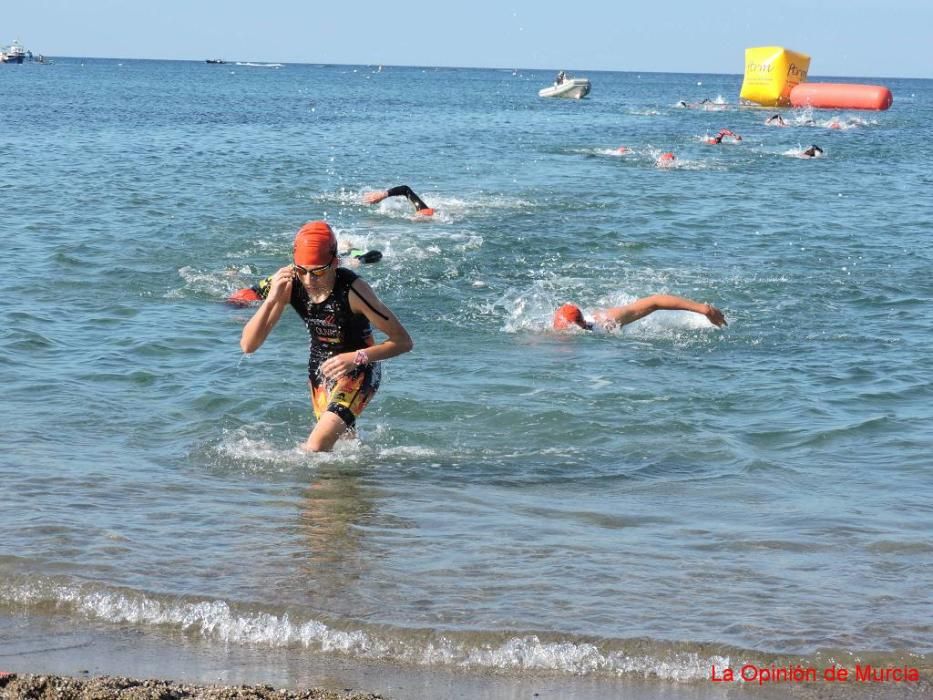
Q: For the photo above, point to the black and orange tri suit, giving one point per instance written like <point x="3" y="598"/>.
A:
<point x="334" y="328"/>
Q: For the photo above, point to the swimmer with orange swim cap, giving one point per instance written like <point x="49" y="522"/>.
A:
<point x="339" y="309"/>
<point x="401" y="191"/>
<point x="723" y="133"/>
<point x="665" y="160"/>
<point x="570" y="316"/>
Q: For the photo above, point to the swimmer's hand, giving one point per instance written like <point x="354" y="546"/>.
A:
<point x="280" y="287"/>
<point x="339" y="366"/>
<point x="375" y="197"/>
<point x="715" y="316"/>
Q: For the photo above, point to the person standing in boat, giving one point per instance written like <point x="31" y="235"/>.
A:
<point x="561" y="77"/>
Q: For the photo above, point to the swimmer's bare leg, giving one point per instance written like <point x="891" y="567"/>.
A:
<point x="328" y="430"/>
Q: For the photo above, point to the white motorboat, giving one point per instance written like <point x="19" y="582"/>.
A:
<point x="15" y="53"/>
<point x="574" y="88"/>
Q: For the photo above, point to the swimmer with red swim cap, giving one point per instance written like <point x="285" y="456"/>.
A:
<point x="665" y="160"/>
<point x="723" y="133"/>
<point x="421" y="208"/>
<point x="569" y="316"/>
<point x="339" y="309"/>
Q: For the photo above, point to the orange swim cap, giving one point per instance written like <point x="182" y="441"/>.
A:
<point x="244" y="297"/>
<point x="315" y="244"/>
<point x="568" y="315"/>
<point x="427" y="211"/>
<point x="664" y="157"/>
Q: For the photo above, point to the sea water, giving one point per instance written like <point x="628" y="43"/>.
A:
<point x="649" y="502"/>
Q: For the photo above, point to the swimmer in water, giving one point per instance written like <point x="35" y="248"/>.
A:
<point x="355" y="256"/>
<point x="723" y="133"/>
<point x="400" y="191"/>
<point x="695" y="105"/>
<point x="775" y="120"/>
<point x="665" y="160"/>
<point x="813" y="151"/>
<point x="569" y="315"/>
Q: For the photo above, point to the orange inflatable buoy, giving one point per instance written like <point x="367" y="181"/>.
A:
<point x="841" y="96"/>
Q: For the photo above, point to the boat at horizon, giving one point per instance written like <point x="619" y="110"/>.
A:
<point x="14" y="53"/>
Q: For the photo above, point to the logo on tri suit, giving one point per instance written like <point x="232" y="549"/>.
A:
<point x="326" y="329"/>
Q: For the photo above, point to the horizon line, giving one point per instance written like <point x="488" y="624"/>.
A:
<point x="501" y="68"/>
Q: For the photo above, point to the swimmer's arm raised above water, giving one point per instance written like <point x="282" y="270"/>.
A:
<point x="268" y="314"/>
<point x="400" y="191"/>
<point x="622" y="315"/>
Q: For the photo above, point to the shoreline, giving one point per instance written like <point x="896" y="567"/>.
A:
<point x="52" y="657"/>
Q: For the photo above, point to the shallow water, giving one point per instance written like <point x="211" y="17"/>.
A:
<point x="518" y="499"/>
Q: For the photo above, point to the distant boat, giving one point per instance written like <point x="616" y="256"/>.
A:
<point x="215" y="60"/>
<point x="565" y="86"/>
<point x="15" y="53"/>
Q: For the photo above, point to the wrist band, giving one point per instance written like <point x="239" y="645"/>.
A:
<point x="361" y="358"/>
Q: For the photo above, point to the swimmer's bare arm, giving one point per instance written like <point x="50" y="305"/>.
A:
<point x="363" y="300"/>
<point x="622" y="315"/>
<point x="268" y="314"/>
<point x="375" y="197"/>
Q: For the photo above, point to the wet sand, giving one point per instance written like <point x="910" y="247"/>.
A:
<point x="53" y="657"/>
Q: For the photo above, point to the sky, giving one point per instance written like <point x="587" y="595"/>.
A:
<point x="846" y="38"/>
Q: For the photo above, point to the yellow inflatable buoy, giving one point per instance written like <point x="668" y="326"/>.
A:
<point x="771" y="72"/>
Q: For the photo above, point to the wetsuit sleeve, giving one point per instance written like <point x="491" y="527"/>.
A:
<point x="406" y="191"/>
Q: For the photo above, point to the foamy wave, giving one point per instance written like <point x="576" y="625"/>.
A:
<point x="211" y="282"/>
<point x="219" y="621"/>
<point x="255" y="449"/>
